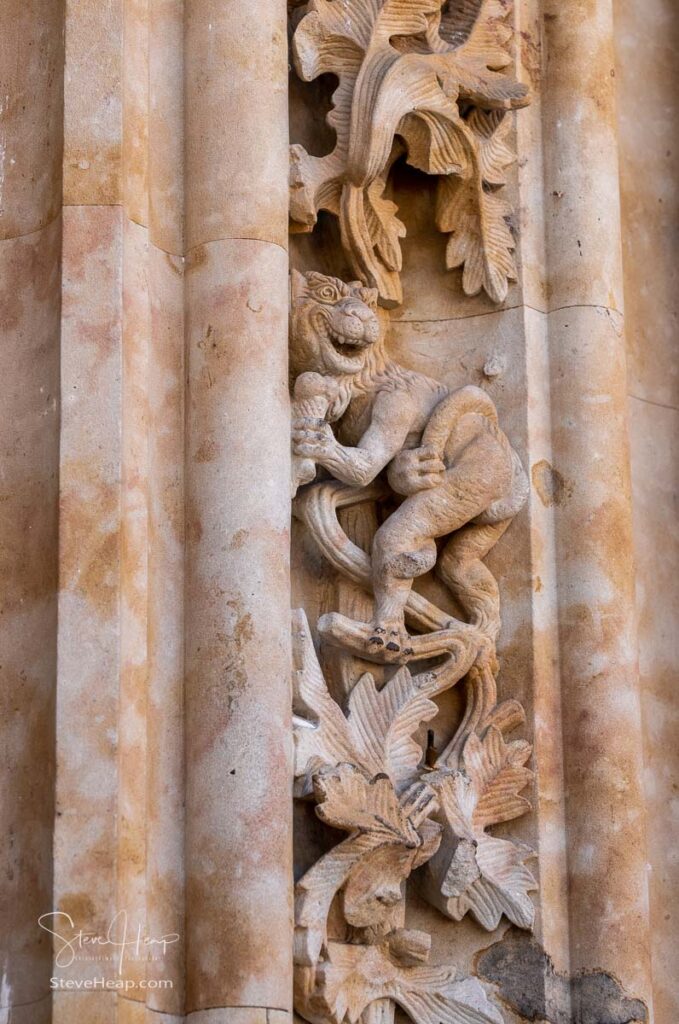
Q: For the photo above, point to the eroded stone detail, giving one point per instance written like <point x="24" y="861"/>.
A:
<point x="426" y="79"/>
<point x="369" y="435"/>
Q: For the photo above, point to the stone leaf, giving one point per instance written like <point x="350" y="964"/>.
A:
<point x="376" y="735"/>
<point x="479" y="34"/>
<point x="389" y="838"/>
<point x="492" y="129"/>
<point x="473" y="871"/>
<point x="382" y="723"/>
<point x="354" y="977"/>
<point x="480" y="239"/>
<point x="327" y="742"/>
<point x="401" y="70"/>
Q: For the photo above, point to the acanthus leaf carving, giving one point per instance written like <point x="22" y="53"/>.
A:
<point x="359" y="753"/>
<point x="473" y="871"/>
<point x="376" y="733"/>
<point x="389" y="837"/>
<point x="434" y="84"/>
<point x="354" y="977"/>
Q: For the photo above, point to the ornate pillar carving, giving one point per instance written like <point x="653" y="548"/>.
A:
<point x="348" y="720"/>
<point x="397" y="478"/>
<point x="404" y="485"/>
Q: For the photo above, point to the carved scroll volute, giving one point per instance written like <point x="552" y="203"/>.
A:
<point x="432" y="84"/>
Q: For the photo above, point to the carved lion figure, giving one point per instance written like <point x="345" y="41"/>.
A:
<point x="442" y="450"/>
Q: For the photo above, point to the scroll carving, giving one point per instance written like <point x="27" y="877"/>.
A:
<point x="395" y="476"/>
<point x="426" y="79"/>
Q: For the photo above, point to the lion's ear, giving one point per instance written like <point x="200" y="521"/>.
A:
<point x="298" y="286"/>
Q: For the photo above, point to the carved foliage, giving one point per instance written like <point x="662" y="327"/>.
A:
<point x="411" y="78"/>
<point x="376" y="733"/>
<point x="353" y="978"/>
<point x="362" y="762"/>
<point x="474" y="871"/>
<point x="362" y="771"/>
<point x="365" y="773"/>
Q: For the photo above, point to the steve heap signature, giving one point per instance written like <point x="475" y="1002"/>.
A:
<point x="127" y="942"/>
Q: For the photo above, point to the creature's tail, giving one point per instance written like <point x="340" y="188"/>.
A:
<point x="441" y="425"/>
<point x="451" y="409"/>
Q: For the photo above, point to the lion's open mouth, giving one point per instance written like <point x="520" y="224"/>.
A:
<point x="342" y="343"/>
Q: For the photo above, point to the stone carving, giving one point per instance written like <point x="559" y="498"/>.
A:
<point x="426" y="79"/>
<point x="443" y="451"/>
<point x="369" y="434"/>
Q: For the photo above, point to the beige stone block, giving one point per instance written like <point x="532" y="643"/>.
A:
<point x="237" y="121"/>
<point x="655" y="487"/>
<point x="29" y="381"/>
<point x="31" y="1013"/>
<point x="582" y="214"/>
<point x="97" y="1007"/>
<point x="166" y="124"/>
<point x="89" y="581"/>
<point x="238" y="847"/>
<point x="132" y="742"/>
<point x="648" y="124"/>
<point x="130" y="1008"/>
<point x="158" y="1017"/>
<point x="135" y="142"/>
<point x="278" y="1017"/>
<point x="92" y="103"/>
<point x="31" y="114"/>
<point x="165" y="633"/>
<point x="588" y="480"/>
<point x="230" y="1015"/>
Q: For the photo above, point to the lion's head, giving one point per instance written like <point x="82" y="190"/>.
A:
<point x="335" y="327"/>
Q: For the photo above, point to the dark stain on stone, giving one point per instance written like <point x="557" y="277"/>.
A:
<point x="528" y="983"/>
<point x="552" y="488"/>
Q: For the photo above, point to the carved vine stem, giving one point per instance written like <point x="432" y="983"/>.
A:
<point x="360" y="758"/>
<point x="395" y="476"/>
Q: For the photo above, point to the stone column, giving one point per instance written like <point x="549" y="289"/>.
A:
<point x="31" y="112"/>
<point x="238" y="745"/>
<point x="589" y="485"/>
<point x="165" y="696"/>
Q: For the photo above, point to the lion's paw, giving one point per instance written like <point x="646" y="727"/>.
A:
<point x="392" y="636"/>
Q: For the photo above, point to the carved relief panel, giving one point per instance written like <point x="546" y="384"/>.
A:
<point x="403" y="484"/>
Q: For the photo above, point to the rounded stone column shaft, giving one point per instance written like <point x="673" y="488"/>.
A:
<point x="31" y="114"/>
<point x="605" y="821"/>
<point x="165" y="638"/>
<point x="238" y="735"/>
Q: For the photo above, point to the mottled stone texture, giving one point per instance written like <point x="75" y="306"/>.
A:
<point x="31" y="108"/>
<point x="647" y="76"/>
<point x="144" y="530"/>
<point x="237" y="691"/>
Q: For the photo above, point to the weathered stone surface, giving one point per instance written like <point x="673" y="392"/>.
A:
<point x="89" y="588"/>
<point x="237" y="617"/>
<point x="173" y="545"/>
<point x="526" y="980"/>
<point x="29" y="378"/>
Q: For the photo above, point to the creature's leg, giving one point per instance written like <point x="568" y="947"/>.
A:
<point x="404" y="545"/>
<point x="461" y="569"/>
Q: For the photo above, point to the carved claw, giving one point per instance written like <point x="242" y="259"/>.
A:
<point x="396" y="639"/>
